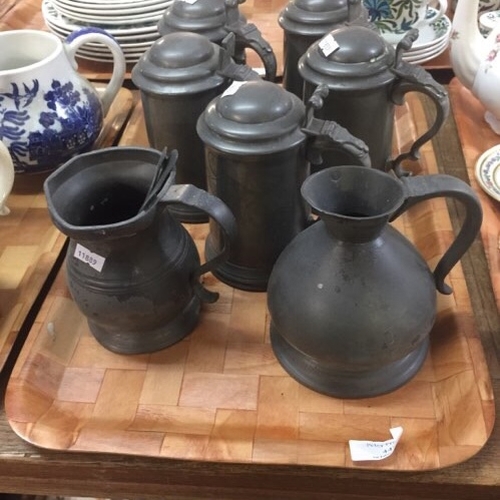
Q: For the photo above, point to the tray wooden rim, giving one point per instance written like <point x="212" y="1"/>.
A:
<point x="20" y="395"/>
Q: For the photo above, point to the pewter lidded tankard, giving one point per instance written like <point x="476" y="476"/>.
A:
<point x="215" y="19"/>
<point x="178" y="76"/>
<point x="366" y="79"/>
<point x="304" y="22"/>
<point x="258" y="142"/>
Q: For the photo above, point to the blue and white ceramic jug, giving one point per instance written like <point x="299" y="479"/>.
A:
<point x="48" y="112"/>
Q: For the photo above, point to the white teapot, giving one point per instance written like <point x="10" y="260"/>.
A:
<point x="476" y="60"/>
<point x="6" y="177"/>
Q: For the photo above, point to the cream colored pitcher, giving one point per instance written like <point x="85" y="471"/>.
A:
<point x="6" y="177"/>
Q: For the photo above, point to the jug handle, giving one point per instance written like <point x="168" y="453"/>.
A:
<point x="414" y="78"/>
<point x="424" y="187"/>
<point x="187" y="194"/>
<point x="327" y="134"/>
<point x="248" y="35"/>
<point x="80" y="37"/>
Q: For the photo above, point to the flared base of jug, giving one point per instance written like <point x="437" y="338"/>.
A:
<point x="346" y="384"/>
<point x="147" y="341"/>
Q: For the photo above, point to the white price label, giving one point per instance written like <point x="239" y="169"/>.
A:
<point x="233" y="88"/>
<point x="191" y="2"/>
<point x="328" y="45"/>
<point x="375" y="450"/>
<point x="92" y="259"/>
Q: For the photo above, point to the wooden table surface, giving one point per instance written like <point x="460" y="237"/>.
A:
<point x="27" y="469"/>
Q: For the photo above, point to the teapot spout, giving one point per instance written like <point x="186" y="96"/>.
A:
<point x="467" y="45"/>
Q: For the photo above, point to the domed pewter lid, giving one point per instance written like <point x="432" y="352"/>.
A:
<point x="206" y="17"/>
<point x="313" y="17"/>
<point x="178" y="63"/>
<point x="349" y="58"/>
<point x="255" y="117"/>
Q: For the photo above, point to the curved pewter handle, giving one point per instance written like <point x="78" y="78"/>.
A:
<point x="248" y="35"/>
<point x="327" y="134"/>
<point x="415" y="78"/>
<point x="228" y="68"/>
<point x="187" y="194"/>
<point x="423" y="187"/>
<point x="80" y="37"/>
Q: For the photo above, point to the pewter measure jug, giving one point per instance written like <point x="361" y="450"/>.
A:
<point x="132" y="269"/>
<point x="352" y="301"/>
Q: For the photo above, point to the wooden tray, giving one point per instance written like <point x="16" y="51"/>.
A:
<point x="476" y="137"/>
<point x="29" y="242"/>
<point x="220" y="394"/>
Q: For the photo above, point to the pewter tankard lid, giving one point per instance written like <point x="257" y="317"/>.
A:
<point x="178" y="63"/>
<point x="349" y="58"/>
<point x="313" y="17"/>
<point x="207" y="17"/>
<point x="254" y="117"/>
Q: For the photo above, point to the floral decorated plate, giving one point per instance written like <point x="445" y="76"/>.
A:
<point x="488" y="171"/>
<point x="425" y="55"/>
<point x="489" y="20"/>
<point x="429" y="34"/>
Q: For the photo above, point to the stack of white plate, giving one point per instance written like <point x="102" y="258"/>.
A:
<point x="132" y="23"/>
<point x="433" y="39"/>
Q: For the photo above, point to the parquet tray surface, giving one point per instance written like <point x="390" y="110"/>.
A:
<point x="476" y="137"/>
<point x="29" y="242"/>
<point x="220" y="394"/>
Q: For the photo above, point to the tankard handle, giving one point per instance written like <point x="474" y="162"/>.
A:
<point x="414" y="78"/>
<point x="228" y="68"/>
<point x="249" y="36"/>
<point x="327" y="134"/>
<point x="80" y="37"/>
<point x="424" y="187"/>
<point x="187" y="194"/>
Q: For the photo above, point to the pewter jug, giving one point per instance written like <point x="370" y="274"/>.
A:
<point x="258" y="140"/>
<point x="131" y="268"/>
<point x="366" y="78"/>
<point x="215" y="19"/>
<point x="178" y="76"/>
<point x="304" y="22"/>
<point x="352" y="302"/>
